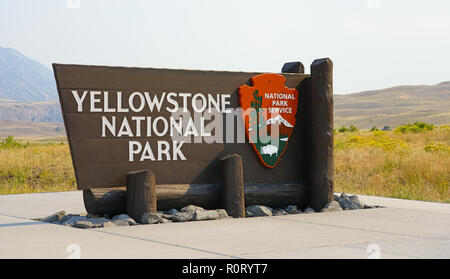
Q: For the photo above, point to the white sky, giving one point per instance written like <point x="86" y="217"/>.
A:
<point x="373" y="43"/>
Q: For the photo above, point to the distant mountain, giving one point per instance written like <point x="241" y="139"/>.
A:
<point x="23" y="79"/>
<point x="394" y="106"/>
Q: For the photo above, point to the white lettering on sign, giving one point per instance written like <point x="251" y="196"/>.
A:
<point x="79" y="99"/>
<point x="163" y="148"/>
<point x="170" y="132"/>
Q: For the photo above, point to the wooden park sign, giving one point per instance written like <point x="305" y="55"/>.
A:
<point x="203" y="134"/>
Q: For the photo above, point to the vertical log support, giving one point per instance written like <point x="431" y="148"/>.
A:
<point x="293" y="67"/>
<point x="141" y="193"/>
<point x="298" y="68"/>
<point x="232" y="188"/>
<point x="320" y="129"/>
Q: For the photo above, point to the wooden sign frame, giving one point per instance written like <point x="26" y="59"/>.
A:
<point x="303" y="176"/>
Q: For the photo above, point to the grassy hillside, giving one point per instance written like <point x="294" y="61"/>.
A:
<point x="49" y="111"/>
<point x="394" y="106"/>
<point x="409" y="165"/>
<point x="25" y="129"/>
<point x="387" y="107"/>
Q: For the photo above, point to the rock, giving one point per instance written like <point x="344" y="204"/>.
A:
<point x="258" y="210"/>
<point x="151" y="218"/>
<point x="332" y="206"/>
<point x="120" y="217"/>
<point x="372" y="206"/>
<point x="191" y="209"/>
<point x="309" y="210"/>
<point x="111" y="224"/>
<point x="167" y="216"/>
<point x="350" y="202"/>
<point x="336" y="197"/>
<point x="92" y="216"/>
<point x="164" y="220"/>
<point x="171" y="211"/>
<point x="279" y="212"/>
<point x="298" y="211"/>
<point x="68" y="217"/>
<point x="73" y="219"/>
<point x="121" y="223"/>
<point x="83" y="224"/>
<point x="98" y="222"/>
<point x="54" y="217"/>
<point x="124" y="217"/>
<point x="291" y="209"/>
<point x="182" y="217"/>
<point x="209" y="215"/>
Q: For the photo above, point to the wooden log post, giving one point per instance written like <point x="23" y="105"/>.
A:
<point x="320" y="178"/>
<point x="141" y="193"/>
<point x="232" y="187"/>
<point x="298" y="68"/>
<point x="293" y="67"/>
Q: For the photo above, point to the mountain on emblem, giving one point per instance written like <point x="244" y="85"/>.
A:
<point x="269" y="114"/>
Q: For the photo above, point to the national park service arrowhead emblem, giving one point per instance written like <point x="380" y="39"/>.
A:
<point x="269" y="115"/>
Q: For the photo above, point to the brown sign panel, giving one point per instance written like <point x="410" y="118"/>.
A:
<point x="121" y="119"/>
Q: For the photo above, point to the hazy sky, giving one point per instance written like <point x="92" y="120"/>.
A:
<point x="373" y="43"/>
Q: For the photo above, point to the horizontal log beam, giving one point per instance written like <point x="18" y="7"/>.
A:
<point x="112" y="201"/>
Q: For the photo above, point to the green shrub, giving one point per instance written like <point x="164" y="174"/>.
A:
<point x="353" y="129"/>
<point x="10" y="142"/>
<point x="343" y="129"/>
<point x="416" y="127"/>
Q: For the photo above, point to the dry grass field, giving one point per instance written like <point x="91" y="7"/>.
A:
<point x="412" y="165"/>
<point x="409" y="166"/>
<point x="39" y="166"/>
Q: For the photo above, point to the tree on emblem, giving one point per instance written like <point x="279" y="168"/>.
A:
<point x="257" y="101"/>
<point x="258" y="120"/>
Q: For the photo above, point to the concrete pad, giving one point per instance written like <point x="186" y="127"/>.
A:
<point x="43" y="240"/>
<point x="41" y="204"/>
<point x="410" y="229"/>
<point x="328" y="252"/>
<point x="418" y="248"/>
<point x="392" y="221"/>
<point x="405" y="204"/>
